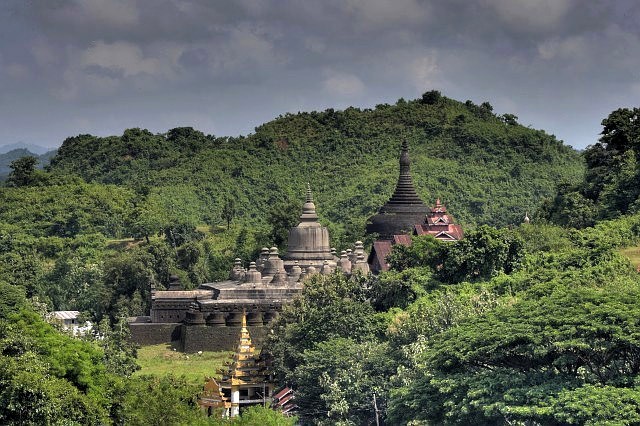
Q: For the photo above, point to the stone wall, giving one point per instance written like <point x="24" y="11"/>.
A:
<point x="196" y="338"/>
<point x="154" y="333"/>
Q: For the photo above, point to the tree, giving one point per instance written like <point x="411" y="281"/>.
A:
<point x="621" y="130"/>
<point x="529" y="361"/>
<point x="424" y="251"/>
<point x="281" y="218"/>
<point x="482" y="254"/>
<point x="229" y="211"/>
<point x="431" y="97"/>
<point x="23" y="172"/>
<point x="330" y="306"/>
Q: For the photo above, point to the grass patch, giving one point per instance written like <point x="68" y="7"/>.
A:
<point x="633" y="253"/>
<point x="161" y="360"/>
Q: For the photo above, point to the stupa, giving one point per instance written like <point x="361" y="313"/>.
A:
<point x="404" y="209"/>
<point x="308" y="243"/>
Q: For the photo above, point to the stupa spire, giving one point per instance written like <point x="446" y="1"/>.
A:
<point x="309" y="208"/>
<point x="309" y="195"/>
<point x="404" y="209"/>
<point x="405" y="193"/>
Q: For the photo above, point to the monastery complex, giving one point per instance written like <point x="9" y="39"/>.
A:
<point x="211" y="316"/>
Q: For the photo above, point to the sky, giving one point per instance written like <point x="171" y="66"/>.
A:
<point x="70" y="67"/>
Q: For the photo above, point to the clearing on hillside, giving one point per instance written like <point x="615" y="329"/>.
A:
<point x="633" y="253"/>
<point x="161" y="360"/>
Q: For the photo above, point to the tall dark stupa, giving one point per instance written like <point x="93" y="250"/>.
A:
<point x="404" y="209"/>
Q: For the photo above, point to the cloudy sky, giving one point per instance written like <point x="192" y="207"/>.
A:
<point x="224" y="67"/>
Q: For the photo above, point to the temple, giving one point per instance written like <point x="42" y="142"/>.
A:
<point x="439" y="224"/>
<point x="245" y="382"/>
<point x="404" y="209"/>
<point x="405" y="214"/>
<point x="208" y="317"/>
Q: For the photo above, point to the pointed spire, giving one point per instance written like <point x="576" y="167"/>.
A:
<point x="309" y="195"/>
<point x="309" y="208"/>
<point x="405" y="193"/>
<point x="244" y="320"/>
<point x="526" y="217"/>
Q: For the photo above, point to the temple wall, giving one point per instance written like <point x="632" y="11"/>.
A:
<point x="196" y="338"/>
<point x="154" y="333"/>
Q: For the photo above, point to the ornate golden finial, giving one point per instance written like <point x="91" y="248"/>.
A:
<point x="244" y="318"/>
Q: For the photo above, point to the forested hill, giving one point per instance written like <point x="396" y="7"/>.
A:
<point x="488" y="168"/>
<point x="8" y="157"/>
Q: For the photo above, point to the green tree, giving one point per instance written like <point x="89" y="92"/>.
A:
<point x="281" y="218"/>
<point x="23" y="172"/>
<point x="229" y="211"/>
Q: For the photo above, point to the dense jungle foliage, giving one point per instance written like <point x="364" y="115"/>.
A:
<point x="611" y="185"/>
<point x="534" y="325"/>
<point x="520" y="324"/>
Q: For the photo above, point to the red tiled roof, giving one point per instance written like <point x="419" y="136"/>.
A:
<point x="282" y="393"/>
<point x="381" y="250"/>
<point x="404" y="239"/>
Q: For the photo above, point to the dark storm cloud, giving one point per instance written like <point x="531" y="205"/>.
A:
<point x="99" y="66"/>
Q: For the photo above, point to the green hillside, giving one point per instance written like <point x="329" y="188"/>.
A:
<point x="487" y="168"/>
<point x="195" y="202"/>
<point x="529" y="324"/>
<point x="6" y="158"/>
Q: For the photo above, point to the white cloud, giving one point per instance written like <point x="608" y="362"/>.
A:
<point x="571" y="47"/>
<point x="343" y="84"/>
<point x="375" y="14"/>
<point x="531" y="15"/>
<point x="117" y="13"/>
<point x="120" y="56"/>
<point x="17" y="71"/>
<point x="423" y="72"/>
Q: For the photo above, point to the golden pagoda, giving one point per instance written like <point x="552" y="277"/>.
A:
<point x="244" y="382"/>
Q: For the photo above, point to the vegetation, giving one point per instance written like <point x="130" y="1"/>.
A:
<point x="541" y="342"/>
<point x="526" y="324"/>
<point x="611" y="185"/>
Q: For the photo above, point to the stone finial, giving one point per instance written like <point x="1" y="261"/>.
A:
<point x="333" y="251"/>
<point x="361" y="264"/>
<point x="351" y="256"/>
<point x="344" y="262"/>
<point x="309" y="195"/>
<point x="264" y="255"/>
<point x="237" y="270"/>
<point x="253" y="276"/>
<point x="326" y="269"/>
<point x="174" y="283"/>
<point x="296" y="272"/>
<point x="303" y="275"/>
<point x="280" y="277"/>
<point x="309" y="208"/>
<point x="311" y="270"/>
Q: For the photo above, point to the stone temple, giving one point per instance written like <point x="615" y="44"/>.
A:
<point x="404" y="209"/>
<point x="405" y="214"/>
<point x="210" y="317"/>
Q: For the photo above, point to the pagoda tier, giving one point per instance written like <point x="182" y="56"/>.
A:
<point x="404" y="209"/>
